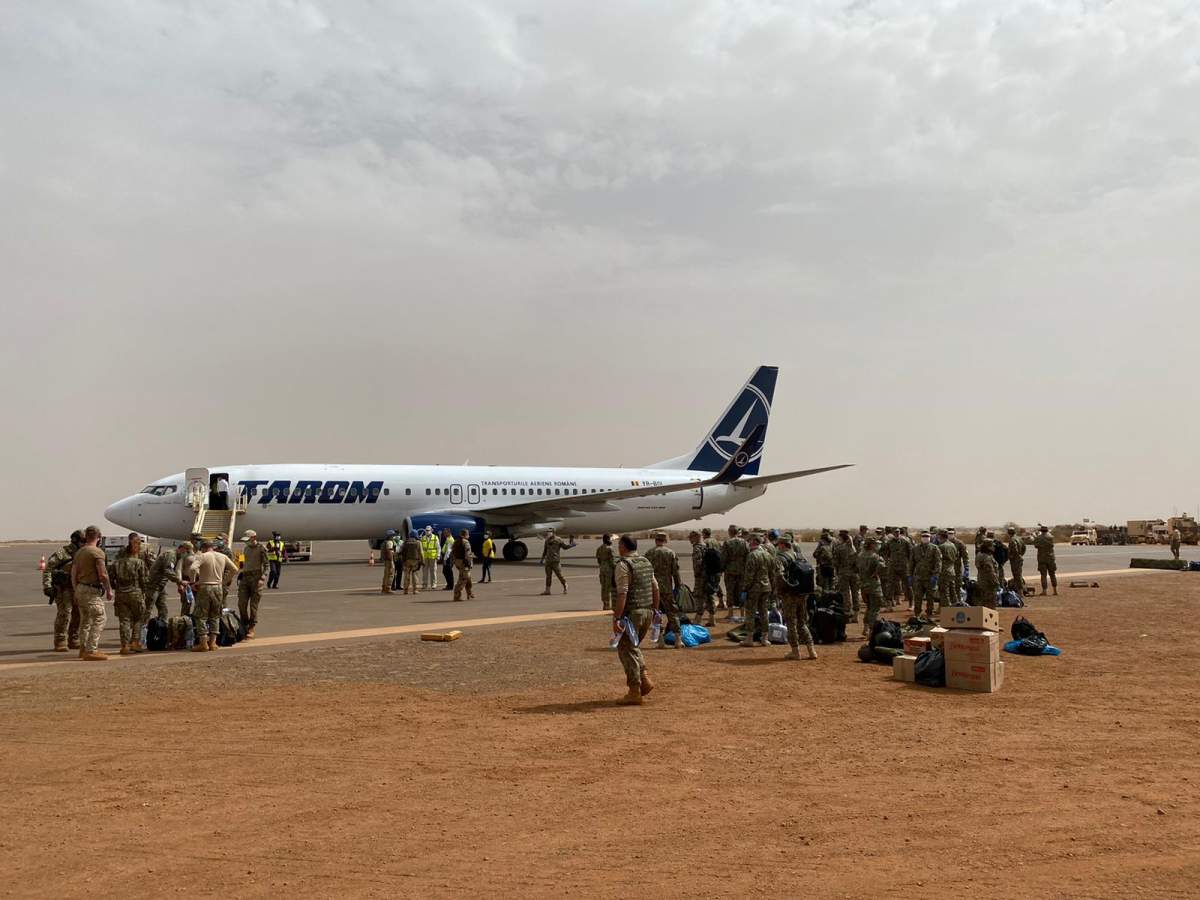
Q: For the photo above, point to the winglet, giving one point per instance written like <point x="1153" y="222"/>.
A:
<point x="742" y="457"/>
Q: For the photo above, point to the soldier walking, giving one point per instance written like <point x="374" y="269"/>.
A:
<point x="1176" y="542"/>
<point x="463" y="558"/>
<point x="666" y="572"/>
<point x="129" y="577"/>
<point x="551" y="560"/>
<point x="89" y="579"/>
<point x="56" y="584"/>
<point x="606" y="559"/>
<point x="734" y="553"/>
<point x="637" y="600"/>
<point x="251" y="580"/>
<point x="1047" y="568"/>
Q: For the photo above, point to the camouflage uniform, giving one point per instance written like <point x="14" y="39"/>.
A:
<point x="951" y="573"/>
<point x="463" y="558"/>
<point x="129" y="577"/>
<point x="552" y="562"/>
<point x="666" y="572"/>
<point x="987" y="576"/>
<point x="387" y="553"/>
<point x="795" y="604"/>
<point x="56" y="584"/>
<point x="638" y="577"/>
<point x="845" y="566"/>
<point x="1176" y="542"/>
<point x="734" y="554"/>
<point x="902" y="552"/>
<point x="723" y="602"/>
<point x="758" y="582"/>
<point x="165" y="568"/>
<point x="606" y="559"/>
<point x="823" y="560"/>
<point x="1016" y="564"/>
<point x="410" y="562"/>
<point x="1047" y="567"/>
<point x="871" y="569"/>
<point x="702" y="581"/>
<point x="964" y="564"/>
<point x="250" y="582"/>
<point x="927" y="569"/>
<point x="90" y="601"/>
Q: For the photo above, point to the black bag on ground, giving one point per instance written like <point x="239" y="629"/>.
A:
<point x="158" y="634"/>
<point x="969" y="585"/>
<point x="930" y="668"/>
<point x="799" y="576"/>
<point x="886" y="633"/>
<point x="1010" y="599"/>
<point x="712" y="561"/>
<point x="685" y="600"/>
<point x="1032" y="641"/>
<point x="1023" y="628"/>
<point x="828" y="626"/>
<point x="231" y="629"/>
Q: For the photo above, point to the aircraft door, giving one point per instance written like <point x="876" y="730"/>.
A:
<point x="699" y="498"/>
<point x="472" y="493"/>
<point x="456" y="493"/>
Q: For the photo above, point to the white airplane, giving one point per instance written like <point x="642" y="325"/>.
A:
<point x="340" y="502"/>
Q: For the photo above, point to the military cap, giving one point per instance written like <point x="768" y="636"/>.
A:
<point x="784" y="539"/>
<point x="943" y="532"/>
<point x="660" y="535"/>
<point x="845" y="531"/>
<point x="249" y="534"/>
<point x="186" y="545"/>
<point x="1012" y="531"/>
<point x="693" y="534"/>
<point x="707" y="532"/>
<point x="925" y="534"/>
<point x="871" y="542"/>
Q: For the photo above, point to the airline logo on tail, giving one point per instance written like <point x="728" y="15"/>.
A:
<point x="749" y="410"/>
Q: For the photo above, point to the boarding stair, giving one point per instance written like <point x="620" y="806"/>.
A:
<point x="210" y="523"/>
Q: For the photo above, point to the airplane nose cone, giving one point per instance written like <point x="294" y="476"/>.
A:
<point x="121" y="512"/>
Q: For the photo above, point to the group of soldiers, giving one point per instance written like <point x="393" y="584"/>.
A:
<point x="78" y="579"/>
<point x="405" y="559"/>
<point x="870" y="570"/>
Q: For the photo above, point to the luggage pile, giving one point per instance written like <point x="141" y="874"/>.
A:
<point x="963" y="652"/>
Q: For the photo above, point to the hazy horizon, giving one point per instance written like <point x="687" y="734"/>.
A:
<point x="548" y="234"/>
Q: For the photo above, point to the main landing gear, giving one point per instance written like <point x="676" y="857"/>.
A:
<point x="515" y="551"/>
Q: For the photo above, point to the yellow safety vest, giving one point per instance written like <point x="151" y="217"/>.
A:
<point x="274" y="550"/>
<point x="429" y="546"/>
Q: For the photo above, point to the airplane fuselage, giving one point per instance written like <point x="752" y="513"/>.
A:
<point x="344" y="502"/>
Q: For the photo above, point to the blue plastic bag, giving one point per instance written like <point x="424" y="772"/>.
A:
<point x="693" y="636"/>
<point x="1015" y="647"/>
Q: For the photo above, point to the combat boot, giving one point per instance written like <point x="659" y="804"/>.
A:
<point x="632" y="698"/>
<point x="212" y="642"/>
<point x="565" y="589"/>
<point x="60" y="646"/>
<point x="679" y="645"/>
<point x="200" y="646"/>
<point x="249" y="634"/>
<point x="647" y="685"/>
<point x="748" y="640"/>
<point x="137" y="647"/>
<point x="794" y="654"/>
<point x="544" y="594"/>
<point x="95" y="656"/>
<point x="125" y="651"/>
<point x="812" y="652"/>
<point x="82" y="653"/>
<point x="73" y="643"/>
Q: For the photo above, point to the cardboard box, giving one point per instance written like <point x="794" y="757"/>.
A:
<point x="985" y="679"/>
<point x="972" y="646"/>
<point x="915" y="645"/>
<point x="938" y="636"/>
<point x="441" y="635"/>
<point x="982" y="618"/>
<point x="904" y="668"/>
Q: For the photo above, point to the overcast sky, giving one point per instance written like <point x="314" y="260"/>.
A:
<point x="564" y="233"/>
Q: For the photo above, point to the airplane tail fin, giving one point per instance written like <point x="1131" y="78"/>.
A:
<point x="749" y="411"/>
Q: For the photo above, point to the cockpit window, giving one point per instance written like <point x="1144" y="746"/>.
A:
<point x="159" y="490"/>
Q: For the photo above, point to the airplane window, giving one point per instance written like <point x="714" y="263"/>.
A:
<point x="387" y="492"/>
<point x="427" y="492"/>
<point x="374" y="492"/>
<point x="574" y="490"/>
<point x="438" y="491"/>
<point x="522" y="492"/>
<point x="557" y="492"/>
<point x="539" y="492"/>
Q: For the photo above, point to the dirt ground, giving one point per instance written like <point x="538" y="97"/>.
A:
<point x="498" y="765"/>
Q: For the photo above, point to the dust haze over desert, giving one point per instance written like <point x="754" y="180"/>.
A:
<point x="553" y="234"/>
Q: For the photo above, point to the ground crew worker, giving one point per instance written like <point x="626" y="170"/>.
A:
<point x="706" y="537"/>
<point x="927" y="569"/>
<point x="845" y="568"/>
<point x="56" y="584"/>
<point x="387" y="554"/>
<point x="553" y="546"/>
<point x="637" y="600"/>
<point x="666" y="572"/>
<point x="276" y="554"/>
<point x="1047" y="567"/>
<point x="703" y="580"/>
<point x="951" y="567"/>
<point x="734" y="553"/>
<point x="447" y="563"/>
<point x="410" y="562"/>
<point x="429" y="555"/>
<point x="758" y="583"/>
<point x="463" y="559"/>
<point x="794" y="602"/>
<point x="251" y="580"/>
<point x="606" y="560"/>
<point x="987" y="575"/>
<point x="89" y="580"/>
<point x="871" y="569"/>
<point x="211" y="572"/>
<point x="1176" y="542"/>
<point x="129" y="577"/>
<point x="487" y="550"/>
<point x="1016" y="563"/>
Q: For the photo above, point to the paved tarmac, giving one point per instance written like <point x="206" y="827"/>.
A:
<point x="337" y="594"/>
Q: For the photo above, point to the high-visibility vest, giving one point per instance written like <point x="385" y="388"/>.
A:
<point x="429" y="546"/>
<point x="274" y="550"/>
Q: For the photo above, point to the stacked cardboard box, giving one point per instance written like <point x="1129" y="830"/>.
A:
<point x="971" y="643"/>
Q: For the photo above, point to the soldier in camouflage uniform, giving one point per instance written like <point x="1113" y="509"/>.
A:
<point x="885" y="552"/>
<point x="551" y="560"/>
<point x="987" y="575"/>
<point x="666" y="572"/>
<point x="129" y="577"/>
<point x="411" y="560"/>
<point x="823" y="561"/>
<point x="1016" y="562"/>
<point x="927" y="570"/>
<point x="963" y="569"/>
<point x="1047" y="567"/>
<point x="56" y="584"/>
<point x="89" y="577"/>
<point x="794" y="602"/>
<point x="845" y="567"/>
<point x="164" y="569"/>
<point x="702" y="581"/>
<point x="461" y="553"/>
<point x="906" y="546"/>
<point x="387" y="553"/>
<point x="951" y="569"/>
<point x="251" y="578"/>
<point x="708" y="540"/>
<point x="636" y="599"/>
<point x="871" y="569"/>
<point x="734" y="553"/>
<point x="758" y="583"/>
<point x="861" y="538"/>
<point x="606" y="560"/>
